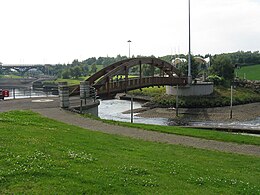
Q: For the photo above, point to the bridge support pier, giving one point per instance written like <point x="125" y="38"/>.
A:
<point x="64" y="95"/>
<point x="199" y="89"/>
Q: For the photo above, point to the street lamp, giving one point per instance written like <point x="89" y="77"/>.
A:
<point x="129" y="41"/>
<point x="189" y="59"/>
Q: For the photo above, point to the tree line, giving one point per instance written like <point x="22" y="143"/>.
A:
<point x="221" y="65"/>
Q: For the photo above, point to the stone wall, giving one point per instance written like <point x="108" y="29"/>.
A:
<point x="255" y="85"/>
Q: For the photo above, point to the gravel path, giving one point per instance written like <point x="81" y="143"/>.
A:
<point x="50" y="109"/>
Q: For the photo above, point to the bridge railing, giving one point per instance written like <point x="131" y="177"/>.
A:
<point x="136" y="83"/>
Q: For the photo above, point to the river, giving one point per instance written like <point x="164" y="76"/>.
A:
<point x="112" y="109"/>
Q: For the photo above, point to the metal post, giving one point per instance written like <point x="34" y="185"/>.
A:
<point x="85" y="97"/>
<point x="30" y="90"/>
<point x="189" y="59"/>
<point x="132" y="115"/>
<point x="177" y="101"/>
<point x="14" y="93"/>
<point x="129" y="41"/>
<point x="81" y="102"/>
<point x="231" y="102"/>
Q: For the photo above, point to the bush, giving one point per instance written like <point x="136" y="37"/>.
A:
<point x="215" y="79"/>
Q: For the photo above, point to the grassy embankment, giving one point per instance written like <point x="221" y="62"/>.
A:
<point x="220" y="97"/>
<point x="10" y="76"/>
<point x="251" y="72"/>
<point x="39" y="155"/>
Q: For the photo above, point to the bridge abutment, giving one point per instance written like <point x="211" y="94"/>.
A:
<point x="198" y="89"/>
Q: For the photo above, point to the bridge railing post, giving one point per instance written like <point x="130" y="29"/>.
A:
<point x="64" y="95"/>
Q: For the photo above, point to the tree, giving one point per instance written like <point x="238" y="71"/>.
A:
<point x="75" y="63"/>
<point x="93" y="68"/>
<point x="222" y="66"/>
<point x="75" y="72"/>
<point x="183" y="67"/>
<point x="66" y="74"/>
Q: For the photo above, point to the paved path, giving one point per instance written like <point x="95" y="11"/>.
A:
<point x="51" y="110"/>
<point x="75" y="119"/>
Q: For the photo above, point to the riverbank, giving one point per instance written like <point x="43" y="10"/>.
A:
<point x="244" y="112"/>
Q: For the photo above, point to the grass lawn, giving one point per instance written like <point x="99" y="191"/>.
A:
<point x="40" y="156"/>
<point x="70" y="81"/>
<point x="251" y="72"/>
<point x="11" y="76"/>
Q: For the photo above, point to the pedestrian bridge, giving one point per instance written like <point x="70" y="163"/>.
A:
<point x="115" y="77"/>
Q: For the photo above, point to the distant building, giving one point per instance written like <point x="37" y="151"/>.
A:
<point x="178" y="61"/>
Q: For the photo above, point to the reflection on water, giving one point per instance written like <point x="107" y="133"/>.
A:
<point x="112" y="109"/>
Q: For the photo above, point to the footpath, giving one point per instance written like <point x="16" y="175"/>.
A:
<point x="51" y="110"/>
<point x="95" y="125"/>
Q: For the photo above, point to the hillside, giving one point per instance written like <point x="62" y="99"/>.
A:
<point x="251" y="72"/>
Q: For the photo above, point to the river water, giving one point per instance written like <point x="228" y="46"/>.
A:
<point x="112" y="109"/>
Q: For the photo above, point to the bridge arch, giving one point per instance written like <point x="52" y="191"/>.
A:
<point x="106" y="84"/>
<point x="122" y="68"/>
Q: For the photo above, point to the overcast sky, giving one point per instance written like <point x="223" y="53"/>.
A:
<point x="58" y="31"/>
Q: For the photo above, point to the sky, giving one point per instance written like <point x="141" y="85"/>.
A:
<point x="59" y="31"/>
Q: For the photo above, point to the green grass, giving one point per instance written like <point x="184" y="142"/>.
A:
<point x="251" y="72"/>
<point x="11" y="76"/>
<point x="200" y="133"/>
<point x="70" y="81"/>
<point x="151" y="91"/>
<point x="42" y="156"/>
<point x="99" y="67"/>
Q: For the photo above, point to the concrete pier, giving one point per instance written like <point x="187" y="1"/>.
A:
<point x="199" y="89"/>
<point x="64" y="95"/>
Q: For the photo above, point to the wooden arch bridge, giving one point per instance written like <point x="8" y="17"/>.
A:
<point x="115" y="77"/>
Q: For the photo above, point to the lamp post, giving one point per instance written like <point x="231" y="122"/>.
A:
<point x="132" y="112"/>
<point x="189" y="59"/>
<point x="129" y="41"/>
